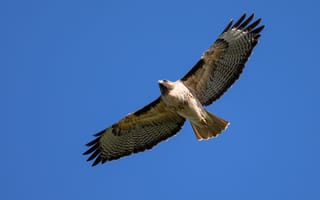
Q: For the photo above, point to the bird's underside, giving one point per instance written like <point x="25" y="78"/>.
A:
<point x="218" y="68"/>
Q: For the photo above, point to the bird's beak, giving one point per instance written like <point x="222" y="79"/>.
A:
<point x="163" y="88"/>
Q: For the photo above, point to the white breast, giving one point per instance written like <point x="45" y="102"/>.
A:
<point x="182" y="101"/>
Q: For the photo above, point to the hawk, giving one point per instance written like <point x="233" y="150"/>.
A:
<point x="218" y="68"/>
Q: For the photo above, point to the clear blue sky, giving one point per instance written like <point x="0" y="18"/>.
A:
<point x="72" y="68"/>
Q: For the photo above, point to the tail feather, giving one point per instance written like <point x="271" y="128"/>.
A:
<point x="212" y="127"/>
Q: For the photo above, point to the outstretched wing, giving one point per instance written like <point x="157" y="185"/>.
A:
<point x="221" y="65"/>
<point x="134" y="133"/>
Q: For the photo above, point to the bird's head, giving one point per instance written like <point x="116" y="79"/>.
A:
<point x="165" y="86"/>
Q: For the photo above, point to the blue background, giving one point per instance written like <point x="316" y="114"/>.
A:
<point x="72" y="68"/>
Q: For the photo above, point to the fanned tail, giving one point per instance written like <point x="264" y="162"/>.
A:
<point x="213" y="126"/>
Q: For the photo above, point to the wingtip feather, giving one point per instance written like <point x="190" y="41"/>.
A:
<point x="93" y="148"/>
<point x="94" y="154"/>
<point x="97" y="161"/>
<point x="237" y="24"/>
<point x="253" y="25"/>
<point x="229" y="25"/>
<point x="99" y="133"/>
<point x="246" y="22"/>
<point x="89" y="144"/>
<point x="258" y="30"/>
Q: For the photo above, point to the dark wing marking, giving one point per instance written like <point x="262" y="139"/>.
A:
<point x="221" y="65"/>
<point x="134" y="133"/>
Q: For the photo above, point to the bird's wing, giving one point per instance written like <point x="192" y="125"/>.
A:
<point x="134" y="133"/>
<point x="221" y="65"/>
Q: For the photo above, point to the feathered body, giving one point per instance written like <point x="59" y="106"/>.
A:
<point x="179" y="99"/>
<point x="218" y="68"/>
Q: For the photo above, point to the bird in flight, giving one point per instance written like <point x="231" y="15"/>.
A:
<point x="218" y="68"/>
